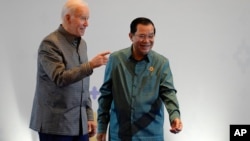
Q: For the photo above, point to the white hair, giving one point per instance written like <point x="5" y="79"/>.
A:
<point x="70" y="6"/>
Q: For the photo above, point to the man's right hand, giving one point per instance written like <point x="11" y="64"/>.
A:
<point x="99" y="60"/>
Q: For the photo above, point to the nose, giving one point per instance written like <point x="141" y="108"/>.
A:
<point x="86" y="22"/>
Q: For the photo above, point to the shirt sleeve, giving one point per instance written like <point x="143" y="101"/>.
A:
<point x="89" y="110"/>
<point x="105" y="100"/>
<point x="168" y="93"/>
<point x="51" y="60"/>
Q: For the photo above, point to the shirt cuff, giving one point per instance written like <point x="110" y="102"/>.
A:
<point x="87" y="68"/>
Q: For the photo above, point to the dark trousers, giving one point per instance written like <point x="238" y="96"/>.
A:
<point x="51" y="137"/>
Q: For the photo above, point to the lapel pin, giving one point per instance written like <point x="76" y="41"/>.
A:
<point x="151" y="69"/>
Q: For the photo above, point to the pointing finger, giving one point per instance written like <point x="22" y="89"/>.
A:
<point x="104" y="53"/>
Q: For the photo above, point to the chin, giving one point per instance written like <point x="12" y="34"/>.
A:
<point x="80" y="34"/>
<point x="145" y="51"/>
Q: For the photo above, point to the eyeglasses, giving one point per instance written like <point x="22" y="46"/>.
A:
<point x="143" y="36"/>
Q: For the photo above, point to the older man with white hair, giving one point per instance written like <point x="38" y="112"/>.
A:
<point x="62" y="108"/>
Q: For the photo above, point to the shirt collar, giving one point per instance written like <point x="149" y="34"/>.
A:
<point x="72" y="39"/>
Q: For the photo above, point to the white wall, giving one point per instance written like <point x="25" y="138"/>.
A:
<point x="206" y="41"/>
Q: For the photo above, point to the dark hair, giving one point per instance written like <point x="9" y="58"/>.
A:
<point x="140" y="20"/>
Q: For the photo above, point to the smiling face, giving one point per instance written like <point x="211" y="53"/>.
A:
<point x="76" y="21"/>
<point x="142" y="40"/>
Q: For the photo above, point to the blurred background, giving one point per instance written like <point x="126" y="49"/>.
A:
<point x="207" y="43"/>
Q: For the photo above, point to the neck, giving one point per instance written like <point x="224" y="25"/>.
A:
<point x="137" y="56"/>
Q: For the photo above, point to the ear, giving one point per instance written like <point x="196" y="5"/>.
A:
<point x="67" y="18"/>
<point x="130" y="36"/>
